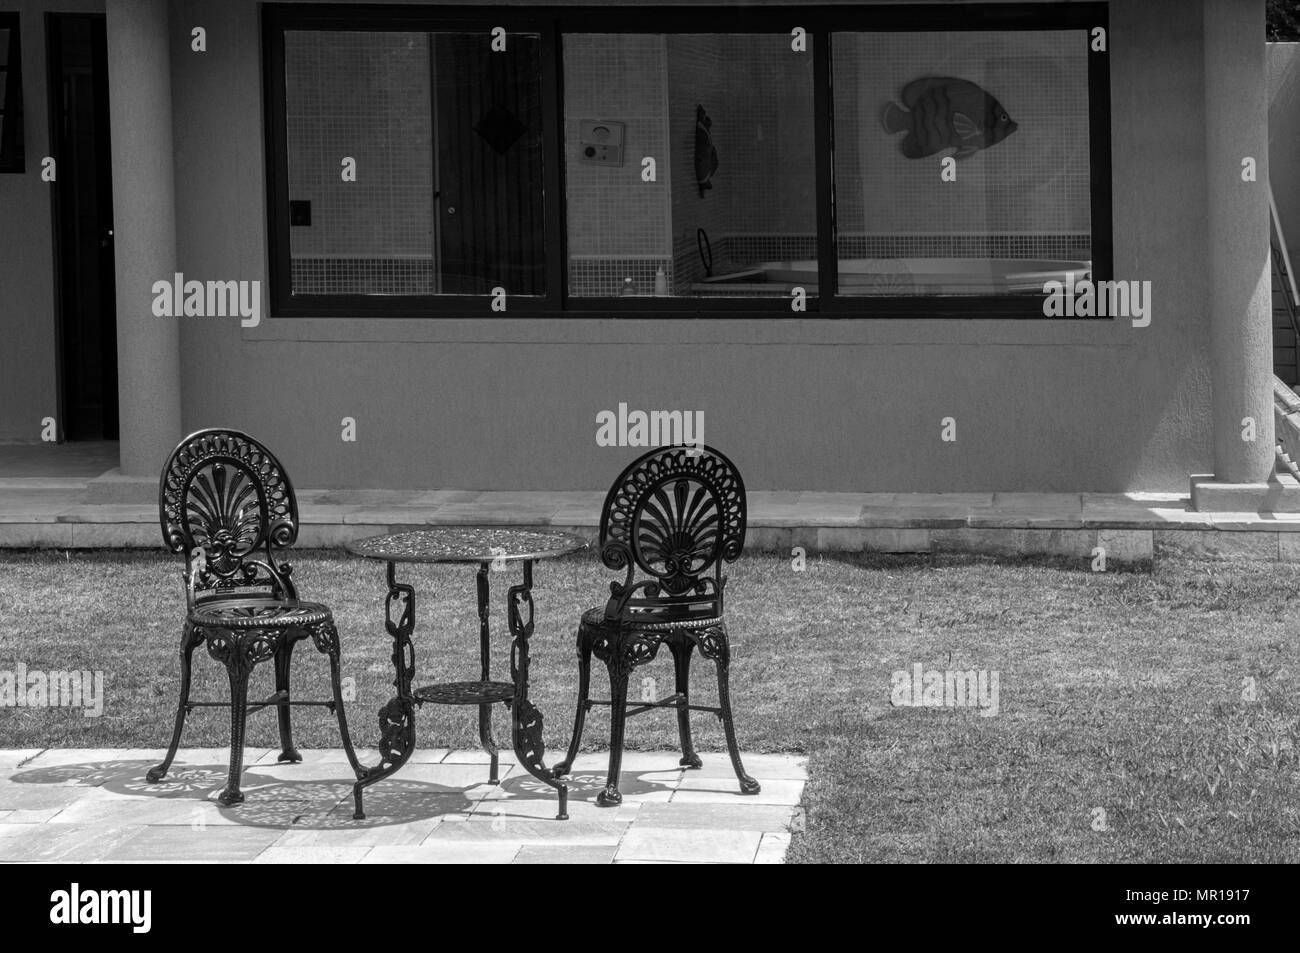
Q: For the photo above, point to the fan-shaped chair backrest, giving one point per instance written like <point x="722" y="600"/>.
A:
<point x="675" y="515"/>
<point x="225" y="498"/>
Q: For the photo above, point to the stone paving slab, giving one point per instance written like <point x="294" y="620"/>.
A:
<point x="514" y="808"/>
<point x="688" y="845"/>
<point x="68" y="805"/>
<point x="451" y="852"/>
<point x="545" y="854"/>
<point x="502" y="828"/>
<point x="715" y="815"/>
<point x="772" y="848"/>
<point x="212" y="845"/>
<point x="336" y="756"/>
<point x="10" y="758"/>
<point x="361" y="834"/>
<point x="60" y="843"/>
<point x="695" y="790"/>
<point x="276" y="854"/>
<point x="1029" y="511"/>
<point x="717" y="764"/>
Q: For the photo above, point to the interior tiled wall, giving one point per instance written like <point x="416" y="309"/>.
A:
<point x="619" y="226"/>
<point x="772" y="173"/>
<point x="697" y="76"/>
<point x="364" y="95"/>
<point x="758" y="93"/>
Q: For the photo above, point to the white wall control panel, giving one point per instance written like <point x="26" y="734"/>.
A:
<point x="600" y="142"/>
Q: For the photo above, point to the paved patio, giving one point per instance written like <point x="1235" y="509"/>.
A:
<point x="84" y="805"/>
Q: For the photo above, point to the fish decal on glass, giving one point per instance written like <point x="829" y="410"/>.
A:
<point x="940" y="112"/>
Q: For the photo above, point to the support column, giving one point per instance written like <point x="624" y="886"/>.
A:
<point x="1240" y="287"/>
<point x="144" y="225"/>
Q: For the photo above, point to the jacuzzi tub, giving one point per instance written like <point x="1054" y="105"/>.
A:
<point x="885" y="276"/>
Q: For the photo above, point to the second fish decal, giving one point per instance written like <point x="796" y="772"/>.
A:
<point x="946" y="113"/>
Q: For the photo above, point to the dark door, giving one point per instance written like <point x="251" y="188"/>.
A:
<point x="489" y="164"/>
<point x="83" y="226"/>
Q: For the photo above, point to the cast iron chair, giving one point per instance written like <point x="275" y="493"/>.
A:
<point x="227" y="504"/>
<point x="676" y="515"/>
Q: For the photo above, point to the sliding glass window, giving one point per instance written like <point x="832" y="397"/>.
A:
<point x="866" y="161"/>
<point x="689" y="165"/>
<point x="411" y="163"/>
<point x="962" y="161"/>
<point x="11" y="95"/>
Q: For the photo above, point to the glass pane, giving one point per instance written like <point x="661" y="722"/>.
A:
<point x="1011" y="211"/>
<point x="4" y="46"/>
<point x="446" y="138"/>
<point x="728" y="122"/>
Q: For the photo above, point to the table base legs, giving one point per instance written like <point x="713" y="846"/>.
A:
<point x="396" y="742"/>
<point x="397" y="717"/>
<point x="530" y="750"/>
<point x="525" y="716"/>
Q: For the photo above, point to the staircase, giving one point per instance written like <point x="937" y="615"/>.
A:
<point x="1286" y="311"/>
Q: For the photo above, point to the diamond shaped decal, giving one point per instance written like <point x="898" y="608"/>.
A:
<point x="500" y="128"/>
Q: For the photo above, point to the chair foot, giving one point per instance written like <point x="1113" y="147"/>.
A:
<point x="610" y="797"/>
<point x="691" y="761"/>
<point x="292" y="756"/>
<point x="156" y="774"/>
<point x="749" y="786"/>
<point x="230" y="796"/>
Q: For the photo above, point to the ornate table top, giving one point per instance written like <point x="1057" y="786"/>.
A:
<point x="466" y="544"/>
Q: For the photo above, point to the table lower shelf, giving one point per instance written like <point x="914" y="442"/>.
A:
<point x="466" y="693"/>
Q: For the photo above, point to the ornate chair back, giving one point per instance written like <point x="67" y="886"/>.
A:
<point x="675" y="516"/>
<point x="227" y="504"/>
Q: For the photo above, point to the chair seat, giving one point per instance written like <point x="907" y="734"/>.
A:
<point x="596" y="618"/>
<point x="258" y="613"/>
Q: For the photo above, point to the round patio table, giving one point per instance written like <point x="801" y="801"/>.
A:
<point x="490" y="549"/>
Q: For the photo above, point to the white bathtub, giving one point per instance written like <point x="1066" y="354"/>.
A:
<point x="885" y="276"/>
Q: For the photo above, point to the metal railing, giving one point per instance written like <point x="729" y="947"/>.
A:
<point x="1282" y="266"/>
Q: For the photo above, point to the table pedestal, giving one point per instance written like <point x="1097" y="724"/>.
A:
<point x="397" y="717"/>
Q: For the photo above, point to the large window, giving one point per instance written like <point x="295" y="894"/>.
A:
<point x="896" y="161"/>
<point x="412" y="163"/>
<point x="727" y="120"/>
<point x="11" y="96"/>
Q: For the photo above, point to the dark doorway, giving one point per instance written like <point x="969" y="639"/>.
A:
<point x="489" y="165"/>
<point x="83" y="226"/>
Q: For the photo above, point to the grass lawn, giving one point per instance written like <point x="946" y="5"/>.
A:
<point x="1143" y="716"/>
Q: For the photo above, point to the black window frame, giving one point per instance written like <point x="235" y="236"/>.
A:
<point x="552" y="24"/>
<point x="12" y="151"/>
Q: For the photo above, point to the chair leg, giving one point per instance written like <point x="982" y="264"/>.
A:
<point x="282" y="658"/>
<point x="619" y="673"/>
<point x="190" y="638"/>
<point x="238" y="669"/>
<point x="713" y="644"/>
<point x="326" y="639"/>
<point x="681" y="646"/>
<point x="584" y="693"/>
